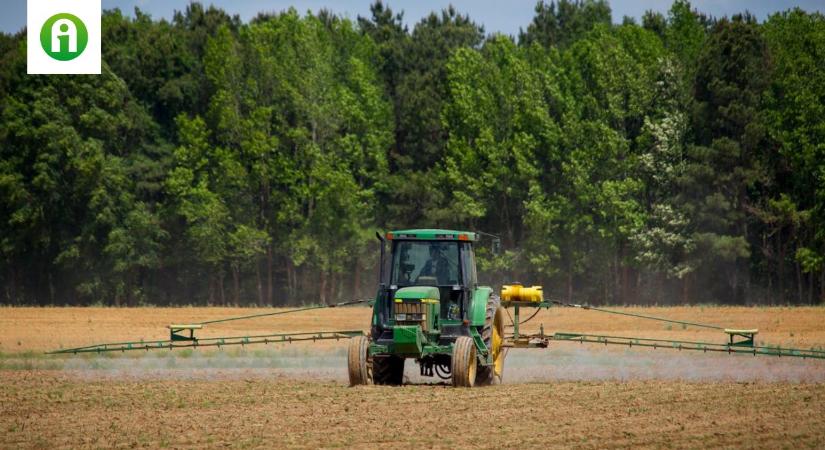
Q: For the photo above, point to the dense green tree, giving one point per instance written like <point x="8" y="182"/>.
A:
<point x="334" y="131"/>
<point x="498" y="125"/>
<point x="420" y="87"/>
<point x="65" y="184"/>
<point x="389" y="33"/>
<point x="655" y="22"/>
<point x="795" y="111"/>
<point x="664" y="243"/>
<point x="423" y="84"/>
<point x="727" y="166"/>
<point x="562" y="22"/>
<point x="216" y="161"/>
<point x="685" y="35"/>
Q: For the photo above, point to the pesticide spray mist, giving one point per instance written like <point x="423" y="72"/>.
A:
<point x="564" y="362"/>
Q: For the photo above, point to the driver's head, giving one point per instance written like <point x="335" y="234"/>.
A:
<point x="434" y="250"/>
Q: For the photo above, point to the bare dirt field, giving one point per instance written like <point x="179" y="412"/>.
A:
<point x="55" y="410"/>
<point x="570" y="395"/>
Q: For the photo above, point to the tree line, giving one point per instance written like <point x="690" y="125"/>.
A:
<point x="676" y="160"/>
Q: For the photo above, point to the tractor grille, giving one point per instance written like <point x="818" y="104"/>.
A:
<point x="411" y="314"/>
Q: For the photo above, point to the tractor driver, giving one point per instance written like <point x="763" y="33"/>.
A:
<point x="437" y="266"/>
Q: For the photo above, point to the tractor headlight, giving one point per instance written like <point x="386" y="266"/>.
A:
<point x="401" y="317"/>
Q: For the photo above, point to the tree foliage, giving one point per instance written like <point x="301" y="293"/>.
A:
<point x="216" y="161"/>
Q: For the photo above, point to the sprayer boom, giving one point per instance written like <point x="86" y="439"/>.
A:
<point x="739" y="341"/>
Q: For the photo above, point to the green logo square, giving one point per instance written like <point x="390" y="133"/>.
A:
<point x="64" y="37"/>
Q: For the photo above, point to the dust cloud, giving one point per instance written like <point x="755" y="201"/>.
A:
<point x="573" y="362"/>
<point x="566" y="362"/>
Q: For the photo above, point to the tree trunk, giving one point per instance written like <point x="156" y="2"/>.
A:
<point x="236" y="283"/>
<point x="624" y="287"/>
<point x="259" y="283"/>
<point x="331" y="287"/>
<point x="570" y="287"/>
<point x="128" y="292"/>
<point x="51" y="289"/>
<point x="685" y="289"/>
<point x="607" y="280"/>
<point x="13" y="286"/>
<point x="211" y="288"/>
<point x="290" y="278"/>
<point x="335" y="289"/>
<point x="747" y="283"/>
<point x="811" y="288"/>
<point x="269" y="274"/>
<point x="613" y="268"/>
<point x="799" y="291"/>
<point x="625" y="278"/>
<point x="356" y="278"/>
<point x="768" y="271"/>
<point x="330" y="294"/>
<point x="220" y="287"/>
<point x="323" y="287"/>
<point x="780" y="251"/>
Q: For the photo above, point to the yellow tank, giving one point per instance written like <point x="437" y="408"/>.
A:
<point x="519" y="293"/>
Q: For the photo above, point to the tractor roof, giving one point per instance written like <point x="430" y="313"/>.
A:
<point x="429" y="234"/>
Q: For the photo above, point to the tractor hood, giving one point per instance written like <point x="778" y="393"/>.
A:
<point x="415" y="311"/>
<point x="418" y="292"/>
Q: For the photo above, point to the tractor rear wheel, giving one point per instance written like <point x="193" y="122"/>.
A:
<point x="464" y="362"/>
<point x="388" y="370"/>
<point x="493" y="336"/>
<point x="358" y="361"/>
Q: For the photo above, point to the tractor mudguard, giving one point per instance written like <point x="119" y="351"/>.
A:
<point x="478" y="308"/>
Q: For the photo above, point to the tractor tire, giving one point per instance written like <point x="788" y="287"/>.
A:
<point x="464" y="362"/>
<point x="358" y="361"/>
<point x="388" y="370"/>
<point x="492" y="334"/>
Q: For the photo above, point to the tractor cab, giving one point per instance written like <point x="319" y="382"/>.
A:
<point x="444" y="264"/>
<point x="435" y="267"/>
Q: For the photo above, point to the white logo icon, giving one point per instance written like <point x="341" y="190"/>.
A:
<point x="64" y="28"/>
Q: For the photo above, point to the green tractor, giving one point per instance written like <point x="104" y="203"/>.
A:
<point x="431" y="308"/>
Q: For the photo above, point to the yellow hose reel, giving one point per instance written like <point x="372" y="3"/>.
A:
<point x="518" y="293"/>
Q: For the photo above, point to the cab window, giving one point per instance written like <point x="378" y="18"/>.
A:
<point x="425" y="263"/>
<point x="468" y="260"/>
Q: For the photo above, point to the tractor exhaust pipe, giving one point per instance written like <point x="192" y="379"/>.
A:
<point x="383" y="241"/>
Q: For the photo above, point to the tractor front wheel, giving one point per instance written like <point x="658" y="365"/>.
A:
<point x="464" y="362"/>
<point x="358" y="361"/>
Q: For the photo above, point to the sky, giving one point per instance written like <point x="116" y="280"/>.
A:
<point x="505" y="17"/>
